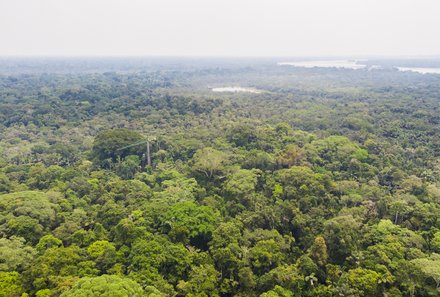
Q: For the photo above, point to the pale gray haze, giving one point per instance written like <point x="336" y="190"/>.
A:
<point x="219" y="27"/>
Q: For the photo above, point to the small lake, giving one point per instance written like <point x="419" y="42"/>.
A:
<point x="349" y="64"/>
<point x="236" y="90"/>
<point x="420" y="70"/>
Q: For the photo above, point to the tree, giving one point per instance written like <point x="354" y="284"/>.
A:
<point x="126" y="232"/>
<point x="240" y="186"/>
<point x="277" y="292"/>
<point x="242" y="182"/>
<point x="342" y="235"/>
<point x="127" y="168"/>
<point x="105" y="285"/>
<point x="365" y="281"/>
<point x="308" y="268"/>
<point x="292" y="155"/>
<point x="257" y="159"/>
<point x="435" y="242"/>
<point x="202" y="282"/>
<point x="10" y="284"/>
<point x="60" y="265"/>
<point x="265" y="255"/>
<point x="27" y="214"/>
<point x="286" y="276"/>
<point x="108" y="143"/>
<point x="318" y="251"/>
<point x="5" y="184"/>
<point x="387" y="232"/>
<point x="227" y="253"/>
<point x="48" y="241"/>
<point x="298" y="181"/>
<point x="15" y="255"/>
<point x="156" y="254"/>
<point x="209" y="161"/>
<point x="103" y="253"/>
<point x="243" y="135"/>
<point x="189" y="221"/>
<point x="335" y="153"/>
<point x="430" y="267"/>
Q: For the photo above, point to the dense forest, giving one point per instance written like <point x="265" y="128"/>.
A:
<point x="133" y="178"/>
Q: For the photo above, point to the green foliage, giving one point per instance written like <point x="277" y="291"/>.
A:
<point x="15" y="255"/>
<point x="342" y="235"/>
<point x="286" y="276"/>
<point x="160" y="255"/>
<point x="10" y="284"/>
<point x="325" y="184"/>
<point x="105" y="285"/>
<point x="298" y="181"/>
<point x="108" y="144"/>
<point x="103" y="253"/>
<point x="292" y="155"/>
<point x="46" y="242"/>
<point x="430" y="267"/>
<point x="59" y="264"/>
<point x="43" y="293"/>
<point x="364" y="281"/>
<point x="189" y="221"/>
<point x="202" y="282"/>
<point x="243" y="135"/>
<point x="265" y="255"/>
<point x="209" y="161"/>
<point x="318" y="251"/>
<point x="242" y="183"/>
<point x="277" y="292"/>
<point x="27" y="214"/>
<point x="435" y="242"/>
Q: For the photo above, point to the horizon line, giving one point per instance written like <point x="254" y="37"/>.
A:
<point x="436" y="56"/>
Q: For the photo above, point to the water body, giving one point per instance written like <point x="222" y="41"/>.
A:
<point x="349" y="64"/>
<point x="236" y="90"/>
<point x="420" y="70"/>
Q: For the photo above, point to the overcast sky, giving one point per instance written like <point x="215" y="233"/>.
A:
<point x="220" y="27"/>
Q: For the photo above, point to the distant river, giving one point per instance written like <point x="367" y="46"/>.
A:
<point x="236" y="90"/>
<point x="420" y="70"/>
<point x="326" y="64"/>
<point x="354" y="64"/>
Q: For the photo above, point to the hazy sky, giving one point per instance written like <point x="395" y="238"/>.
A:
<point x="220" y="27"/>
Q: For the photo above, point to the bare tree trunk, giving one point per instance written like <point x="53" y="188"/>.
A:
<point x="148" y="154"/>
